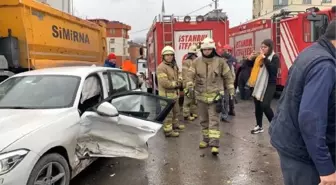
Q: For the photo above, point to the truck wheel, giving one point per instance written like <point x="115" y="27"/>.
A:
<point x="50" y="169"/>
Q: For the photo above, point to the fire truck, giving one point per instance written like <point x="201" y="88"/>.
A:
<point x="290" y="31"/>
<point x="180" y="33"/>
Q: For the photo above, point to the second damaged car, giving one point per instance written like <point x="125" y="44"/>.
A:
<point x="55" y="122"/>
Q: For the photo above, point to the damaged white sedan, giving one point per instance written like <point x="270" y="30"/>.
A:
<point x="55" y="122"/>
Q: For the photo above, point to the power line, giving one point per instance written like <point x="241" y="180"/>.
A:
<point x="138" y="31"/>
<point x="201" y="8"/>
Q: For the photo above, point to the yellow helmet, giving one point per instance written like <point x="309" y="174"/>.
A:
<point x="208" y="43"/>
<point x="168" y="50"/>
<point x="192" y="49"/>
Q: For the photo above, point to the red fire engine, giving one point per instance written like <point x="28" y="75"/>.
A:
<point x="181" y="33"/>
<point x="290" y="31"/>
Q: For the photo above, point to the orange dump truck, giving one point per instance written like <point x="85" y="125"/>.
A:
<point x="34" y="35"/>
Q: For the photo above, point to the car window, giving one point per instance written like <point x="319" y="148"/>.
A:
<point x="140" y="106"/>
<point x="134" y="80"/>
<point x="39" y="92"/>
<point x="92" y="93"/>
<point x="120" y="81"/>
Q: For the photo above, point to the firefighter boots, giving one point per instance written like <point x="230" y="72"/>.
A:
<point x="179" y="127"/>
<point x="203" y="144"/>
<point x="172" y="134"/>
<point x="194" y="115"/>
<point x="214" y="151"/>
<point x="189" y="118"/>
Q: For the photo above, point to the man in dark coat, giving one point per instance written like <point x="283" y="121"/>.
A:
<point x="242" y="76"/>
<point x="231" y="61"/>
<point x="303" y="129"/>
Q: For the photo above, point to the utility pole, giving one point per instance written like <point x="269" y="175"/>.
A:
<point x="216" y="4"/>
<point x="216" y="8"/>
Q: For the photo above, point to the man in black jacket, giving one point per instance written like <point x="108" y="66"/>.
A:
<point x="242" y="76"/>
<point x="231" y="61"/>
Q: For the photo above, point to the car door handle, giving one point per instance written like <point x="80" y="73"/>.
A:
<point x="147" y="129"/>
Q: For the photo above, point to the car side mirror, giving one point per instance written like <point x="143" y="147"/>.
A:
<point x="107" y="109"/>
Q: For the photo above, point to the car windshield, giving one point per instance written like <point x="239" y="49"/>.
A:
<point x="39" y="92"/>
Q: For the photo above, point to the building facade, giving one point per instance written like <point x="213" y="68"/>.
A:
<point x="62" y="5"/>
<point x="266" y="8"/>
<point x="117" y="40"/>
<point x="134" y="50"/>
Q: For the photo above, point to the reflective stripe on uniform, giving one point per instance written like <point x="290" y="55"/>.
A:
<point x="205" y="132"/>
<point x="168" y="128"/>
<point x="192" y="69"/>
<point x="214" y="134"/>
<point x="162" y="75"/>
<point x="230" y="86"/>
<point x="168" y="94"/>
<point x="185" y="68"/>
<point x="173" y="83"/>
<point x="207" y="97"/>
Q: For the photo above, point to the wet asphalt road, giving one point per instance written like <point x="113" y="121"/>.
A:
<point x="244" y="159"/>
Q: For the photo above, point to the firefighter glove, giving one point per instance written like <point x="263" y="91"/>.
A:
<point x="219" y="103"/>
<point x="179" y="85"/>
<point x="189" y="84"/>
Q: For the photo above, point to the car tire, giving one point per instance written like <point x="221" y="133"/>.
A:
<point x="58" y="163"/>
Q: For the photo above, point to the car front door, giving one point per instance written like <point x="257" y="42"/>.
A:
<point x="122" y="124"/>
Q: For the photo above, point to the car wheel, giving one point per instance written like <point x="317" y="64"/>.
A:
<point x="50" y="169"/>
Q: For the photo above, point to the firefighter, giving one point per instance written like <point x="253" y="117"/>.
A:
<point x="231" y="61"/>
<point x="169" y="85"/>
<point x="189" y="103"/>
<point x="210" y="72"/>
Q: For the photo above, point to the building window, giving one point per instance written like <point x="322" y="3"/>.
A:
<point x="112" y="41"/>
<point x="307" y="2"/>
<point x="326" y="1"/>
<point x="278" y="4"/>
<point x="112" y="50"/>
<point x="112" y="31"/>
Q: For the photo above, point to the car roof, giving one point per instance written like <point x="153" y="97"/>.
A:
<point x="80" y="71"/>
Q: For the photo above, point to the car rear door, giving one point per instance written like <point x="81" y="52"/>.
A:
<point x="140" y="117"/>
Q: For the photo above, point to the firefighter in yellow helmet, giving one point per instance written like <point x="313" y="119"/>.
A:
<point x="207" y="75"/>
<point x="189" y="103"/>
<point x="169" y="85"/>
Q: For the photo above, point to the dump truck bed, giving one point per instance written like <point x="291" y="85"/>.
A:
<point x="47" y="37"/>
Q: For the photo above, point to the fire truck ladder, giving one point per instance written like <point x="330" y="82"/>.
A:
<point x="277" y="36"/>
<point x="168" y="30"/>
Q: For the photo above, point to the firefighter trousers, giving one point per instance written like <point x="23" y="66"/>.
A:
<point x="171" y="122"/>
<point x="189" y="106"/>
<point x="209" y="120"/>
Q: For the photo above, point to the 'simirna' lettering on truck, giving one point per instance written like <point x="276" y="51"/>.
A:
<point x="68" y="34"/>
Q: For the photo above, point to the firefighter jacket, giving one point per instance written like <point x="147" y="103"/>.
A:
<point x="167" y="75"/>
<point x="186" y="64"/>
<point x="210" y="75"/>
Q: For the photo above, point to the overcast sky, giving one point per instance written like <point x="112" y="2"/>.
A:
<point x="139" y="14"/>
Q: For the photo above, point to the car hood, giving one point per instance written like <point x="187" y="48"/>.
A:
<point x="15" y="124"/>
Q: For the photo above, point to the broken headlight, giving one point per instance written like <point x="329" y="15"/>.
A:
<point x="9" y="160"/>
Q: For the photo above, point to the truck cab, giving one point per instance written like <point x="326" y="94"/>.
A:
<point x="315" y="22"/>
